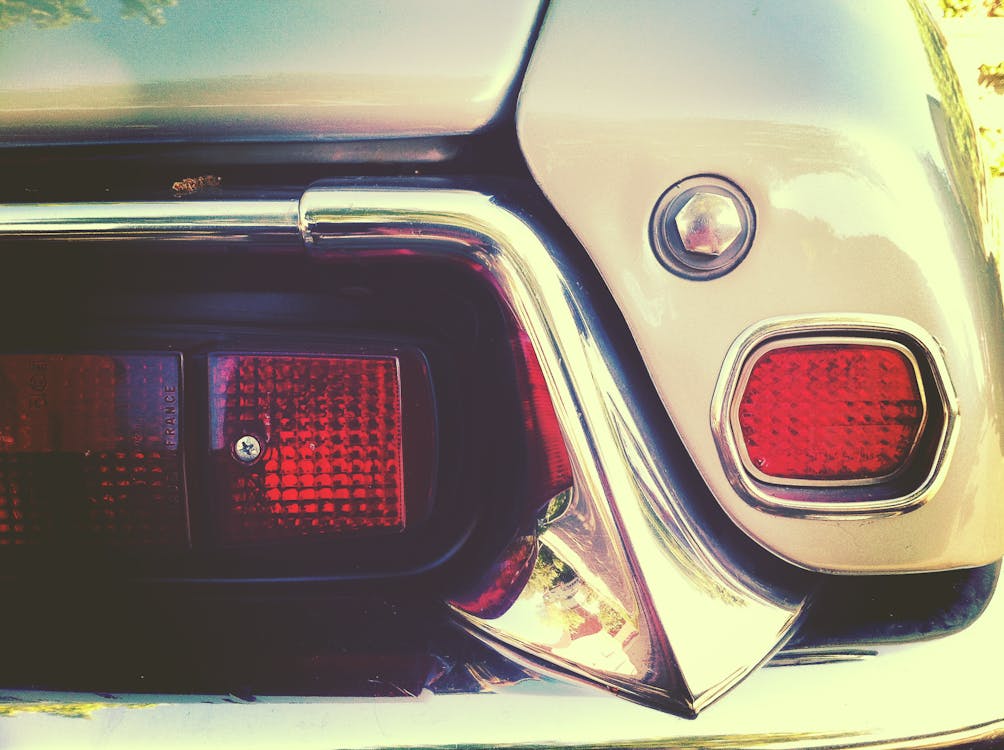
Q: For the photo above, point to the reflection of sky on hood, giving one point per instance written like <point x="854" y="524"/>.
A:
<point x="202" y="39"/>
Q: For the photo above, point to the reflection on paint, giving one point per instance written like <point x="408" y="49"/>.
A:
<point x="54" y="14"/>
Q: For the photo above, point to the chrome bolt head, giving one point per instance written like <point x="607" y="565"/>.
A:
<point x="708" y="223"/>
<point x="247" y="449"/>
<point x="702" y="227"/>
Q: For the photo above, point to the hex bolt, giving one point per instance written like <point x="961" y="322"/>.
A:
<point x="247" y="449"/>
<point x="708" y="223"/>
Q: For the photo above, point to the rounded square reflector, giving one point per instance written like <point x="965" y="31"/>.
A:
<point x="826" y="411"/>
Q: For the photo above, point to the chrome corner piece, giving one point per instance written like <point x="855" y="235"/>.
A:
<point x="627" y="590"/>
<point x="862" y="498"/>
<point x="673" y="620"/>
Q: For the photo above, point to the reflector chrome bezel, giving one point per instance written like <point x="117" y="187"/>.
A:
<point x="828" y="498"/>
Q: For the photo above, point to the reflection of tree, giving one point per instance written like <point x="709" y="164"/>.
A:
<point x="959" y="140"/>
<point x="52" y="14"/>
<point x="148" y="11"/>
<point x="568" y="600"/>
<point x="556" y="583"/>
<point x="45" y="14"/>
<point x="549" y="572"/>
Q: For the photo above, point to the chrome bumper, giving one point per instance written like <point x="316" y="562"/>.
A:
<point x="943" y="692"/>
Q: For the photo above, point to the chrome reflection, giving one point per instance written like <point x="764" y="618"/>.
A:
<point x="627" y="589"/>
<point x="565" y="607"/>
<point x="567" y="611"/>
<point x="210" y="222"/>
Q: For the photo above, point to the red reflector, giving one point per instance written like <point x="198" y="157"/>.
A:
<point x="830" y="412"/>
<point x="89" y="449"/>
<point x="329" y="429"/>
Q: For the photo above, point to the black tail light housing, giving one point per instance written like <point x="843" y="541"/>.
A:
<point x="394" y="405"/>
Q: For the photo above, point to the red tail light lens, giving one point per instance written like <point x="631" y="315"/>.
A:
<point x="307" y="445"/>
<point x="549" y="468"/>
<point x="549" y="473"/>
<point x="498" y="589"/>
<point x="823" y="411"/>
<point x="89" y="449"/>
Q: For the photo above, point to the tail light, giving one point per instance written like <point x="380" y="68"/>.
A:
<point x="313" y="445"/>
<point x="354" y="424"/>
<point x="549" y="468"/>
<point x="89" y="449"/>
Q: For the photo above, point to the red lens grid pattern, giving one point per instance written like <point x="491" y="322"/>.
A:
<point x="831" y="412"/>
<point x="549" y="466"/>
<point x="20" y="515"/>
<point x="331" y="432"/>
<point x="89" y="449"/>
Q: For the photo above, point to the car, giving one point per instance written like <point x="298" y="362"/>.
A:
<point x="541" y="373"/>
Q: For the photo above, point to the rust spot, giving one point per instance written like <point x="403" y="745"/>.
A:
<point x="76" y="710"/>
<point x="192" y="185"/>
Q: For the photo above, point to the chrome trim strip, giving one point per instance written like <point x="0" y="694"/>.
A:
<point x="197" y="221"/>
<point x="883" y="329"/>
<point x="789" y="342"/>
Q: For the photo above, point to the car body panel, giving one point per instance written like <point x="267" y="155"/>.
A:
<point x="844" y="126"/>
<point x="244" y="72"/>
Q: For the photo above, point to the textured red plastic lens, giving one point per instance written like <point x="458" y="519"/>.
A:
<point x="549" y="471"/>
<point x="329" y="429"/>
<point x="831" y="412"/>
<point x="498" y="590"/>
<point x="89" y="449"/>
<point x="549" y="466"/>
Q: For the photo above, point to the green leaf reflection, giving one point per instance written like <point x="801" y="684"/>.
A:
<point x="54" y="14"/>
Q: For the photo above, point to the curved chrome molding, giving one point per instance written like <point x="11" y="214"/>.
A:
<point x="766" y="493"/>
<point x="673" y="624"/>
